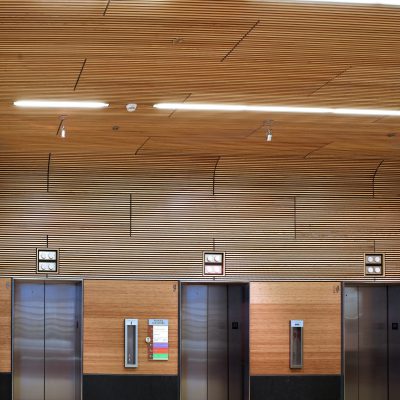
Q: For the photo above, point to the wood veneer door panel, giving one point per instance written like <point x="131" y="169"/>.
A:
<point x="106" y="304"/>
<point x="273" y="305"/>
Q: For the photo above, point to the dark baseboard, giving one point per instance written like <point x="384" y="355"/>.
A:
<point x="156" y="387"/>
<point x="130" y="387"/>
<point x="5" y="386"/>
<point x="296" y="387"/>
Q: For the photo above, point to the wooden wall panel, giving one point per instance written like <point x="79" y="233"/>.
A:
<point x="301" y="259"/>
<point x="5" y="325"/>
<point x="273" y="305"/>
<point x="69" y="214"/>
<point x="23" y="172"/>
<point x="391" y="248"/>
<point x="387" y="179"/>
<point x="127" y="173"/>
<point x="107" y="304"/>
<point x="358" y="219"/>
<point x="216" y="216"/>
<point x="294" y="178"/>
<point x="121" y="215"/>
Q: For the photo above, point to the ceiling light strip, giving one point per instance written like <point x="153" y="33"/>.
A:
<point x="59" y="104"/>
<point x="277" y="109"/>
<point x="365" y="2"/>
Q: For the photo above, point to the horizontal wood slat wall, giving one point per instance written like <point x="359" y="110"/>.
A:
<point x="107" y="304"/>
<point x="273" y="305"/>
<point x="5" y="325"/>
<point x="127" y="215"/>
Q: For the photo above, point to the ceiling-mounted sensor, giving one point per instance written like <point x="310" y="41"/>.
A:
<point x="131" y="107"/>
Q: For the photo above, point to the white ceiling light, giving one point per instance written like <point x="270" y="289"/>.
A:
<point x="277" y="109"/>
<point x="60" y="104"/>
<point x="373" y="2"/>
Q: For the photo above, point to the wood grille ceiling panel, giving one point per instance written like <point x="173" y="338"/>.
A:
<point x="250" y="52"/>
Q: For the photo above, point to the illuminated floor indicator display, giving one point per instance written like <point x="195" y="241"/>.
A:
<point x="158" y="333"/>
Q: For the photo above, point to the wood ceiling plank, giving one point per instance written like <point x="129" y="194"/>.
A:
<point x="70" y="8"/>
<point x="156" y="51"/>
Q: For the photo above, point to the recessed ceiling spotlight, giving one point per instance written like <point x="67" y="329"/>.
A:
<point x="277" y="109"/>
<point x="59" y="104"/>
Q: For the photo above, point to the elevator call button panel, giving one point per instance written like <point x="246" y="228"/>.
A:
<point x="131" y="343"/>
<point x="296" y="344"/>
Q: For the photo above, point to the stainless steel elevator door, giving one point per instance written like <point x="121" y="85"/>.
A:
<point x="28" y="343"/>
<point x="51" y="361"/>
<point x="194" y="343"/>
<point x="350" y="314"/>
<point x="372" y="339"/>
<point x="214" y="342"/>
<point x="217" y="339"/>
<point x="372" y="342"/>
<point x="62" y="341"/>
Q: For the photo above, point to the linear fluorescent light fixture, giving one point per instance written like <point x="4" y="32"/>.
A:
<point x="59" y="104"/>
<point x="366" y="2"/>
<point x="277" y="109"/>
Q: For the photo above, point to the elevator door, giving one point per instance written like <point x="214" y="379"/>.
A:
<point x="372" y="342"/>
<point x="214" y="342"/>
<point x="47" y="340"/>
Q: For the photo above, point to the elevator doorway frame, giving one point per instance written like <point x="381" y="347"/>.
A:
<point x="356" y="284"/>
<point x="246" y="378"/>
<point x="50" y="280"/>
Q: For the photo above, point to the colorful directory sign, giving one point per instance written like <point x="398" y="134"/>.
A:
<point x="158" y="333"/>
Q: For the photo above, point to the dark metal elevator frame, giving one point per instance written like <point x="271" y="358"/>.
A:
<point x="246" y="285"/>
<point x="379" y="333"/>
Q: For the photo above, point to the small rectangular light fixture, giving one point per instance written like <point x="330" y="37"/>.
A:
<point x="277" y="109"/>
<point x="213" y="264"/>
<point x="59" y="104"/>
<point x="374" y="264"/>
<point x="46" y="261"/>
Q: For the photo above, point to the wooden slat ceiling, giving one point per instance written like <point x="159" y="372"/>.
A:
<point x="244" y="52"/>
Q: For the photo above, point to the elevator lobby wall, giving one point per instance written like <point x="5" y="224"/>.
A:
<point x="106" y="303"/>
<point x="150" y="217"/>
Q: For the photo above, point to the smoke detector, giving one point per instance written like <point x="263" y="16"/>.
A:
<point x="131" y="107"/>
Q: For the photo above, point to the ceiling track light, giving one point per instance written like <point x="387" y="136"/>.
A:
<point x="61" y="131"/>
<point x="268" y="130"/>
<point x="277" y="109"/>
<point x="59" y="104"/>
